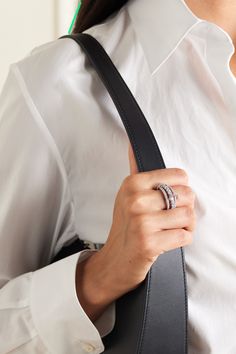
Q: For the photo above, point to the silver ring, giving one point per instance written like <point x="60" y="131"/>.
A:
<point x="168" y="194"/>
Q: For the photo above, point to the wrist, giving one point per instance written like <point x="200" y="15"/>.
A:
<point x="93" y="286"/>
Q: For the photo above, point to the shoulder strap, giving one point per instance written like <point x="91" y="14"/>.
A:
<point x="153" y="318"/>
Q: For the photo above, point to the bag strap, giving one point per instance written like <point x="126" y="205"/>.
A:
<point x="164" y="292"/>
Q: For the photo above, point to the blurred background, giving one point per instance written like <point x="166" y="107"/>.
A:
<point x="26" y="24"/>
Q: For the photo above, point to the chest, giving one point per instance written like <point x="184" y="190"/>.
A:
<point x="189" y="119"/>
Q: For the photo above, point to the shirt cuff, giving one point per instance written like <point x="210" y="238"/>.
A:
<point x="58" y="316"/>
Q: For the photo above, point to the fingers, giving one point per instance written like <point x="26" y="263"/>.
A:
<point x="160" y="230"/>
<point x="153" y="200"/>
<point x="178" y="218"/>
<point x="168" y="240"/>
<point x="148" y="180"/>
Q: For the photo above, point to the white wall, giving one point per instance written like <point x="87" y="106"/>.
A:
<point x="25" y="24"/>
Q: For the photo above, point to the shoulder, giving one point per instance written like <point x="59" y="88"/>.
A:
<point x="49" y="61"/>
<point x="60" y="84"/>
<point x="56" y="71"/>
<point x="46" y="64"/>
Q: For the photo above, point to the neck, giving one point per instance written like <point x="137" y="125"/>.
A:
<point x="220" y="12"/>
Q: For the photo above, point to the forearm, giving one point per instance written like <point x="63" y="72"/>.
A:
<point x="93" y="287"/>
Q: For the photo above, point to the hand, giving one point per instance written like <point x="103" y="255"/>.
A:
<point x="141" y="230"/>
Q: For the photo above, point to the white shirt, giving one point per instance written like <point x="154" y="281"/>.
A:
<point x="64" y="155"/>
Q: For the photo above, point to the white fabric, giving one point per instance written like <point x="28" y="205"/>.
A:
<point x="64" y="154"/>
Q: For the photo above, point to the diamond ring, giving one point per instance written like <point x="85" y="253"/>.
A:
<point x="168" y="194"/>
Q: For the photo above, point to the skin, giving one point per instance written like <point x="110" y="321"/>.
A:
<point x="141" y="230"/>
<point x="139" y="219"/>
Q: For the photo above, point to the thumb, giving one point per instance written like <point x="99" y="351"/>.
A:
<point x="132" y="161"/>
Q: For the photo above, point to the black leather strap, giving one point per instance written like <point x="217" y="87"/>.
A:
<point x="66" y="251"/>
<point x="153" y="318"/>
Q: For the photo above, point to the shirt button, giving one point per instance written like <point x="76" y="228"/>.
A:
<point x="89" y="348"/>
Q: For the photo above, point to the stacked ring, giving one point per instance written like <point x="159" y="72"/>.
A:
<point x="168" y="194"/>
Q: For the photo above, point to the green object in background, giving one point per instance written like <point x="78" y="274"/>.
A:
<point x="74" y="18"/>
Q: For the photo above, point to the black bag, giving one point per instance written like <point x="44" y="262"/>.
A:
<point x="152" y="319"/>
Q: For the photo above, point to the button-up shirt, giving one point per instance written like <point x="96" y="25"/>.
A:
<point x="64" y="155"/>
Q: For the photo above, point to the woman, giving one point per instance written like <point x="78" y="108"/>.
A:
<point x="67" y="168"/>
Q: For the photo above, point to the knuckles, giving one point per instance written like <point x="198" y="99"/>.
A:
<point x="190" y="217"/>
<point x="189" y="194"/>
<point x="188" y="212"/>
<point x="142" y="223"/>
<point x="181" y="174"/>
<point x="133" y="182"/>
<point x="127" y="182"/>
<point x="135" y="204"/>
<point x="184" y="238"/>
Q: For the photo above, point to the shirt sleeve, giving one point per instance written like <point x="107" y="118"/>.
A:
<point x="39" y="308"/>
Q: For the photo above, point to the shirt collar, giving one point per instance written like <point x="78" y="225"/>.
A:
<point x="165" y="22"/>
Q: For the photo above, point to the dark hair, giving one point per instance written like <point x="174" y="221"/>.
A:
<point x="93" y="12"/>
